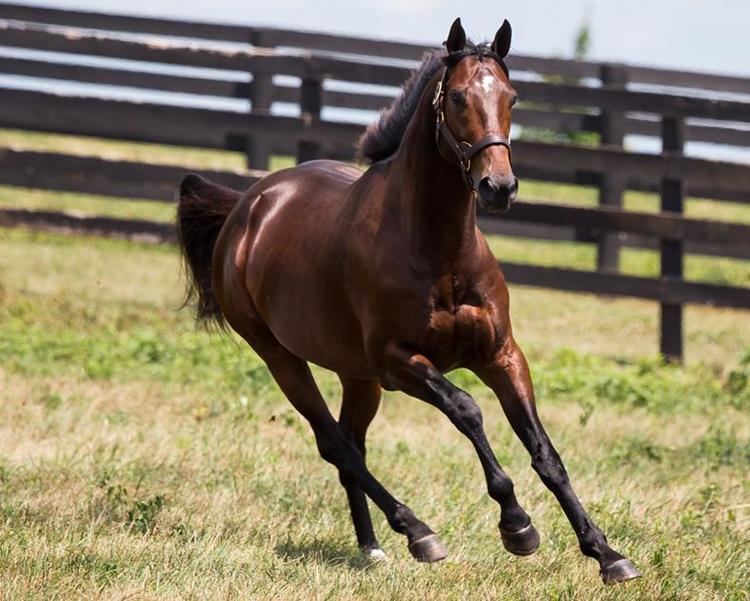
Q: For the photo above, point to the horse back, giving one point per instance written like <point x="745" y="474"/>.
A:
<point x="285" y="247"/>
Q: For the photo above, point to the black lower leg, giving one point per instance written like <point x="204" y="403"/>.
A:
<point x="517" y="532"/>
<point x="466" y="415"/>
<point x="547" y="463"/>
<point x="500" y="488"/>
<point x="335" y="448"/>
<point x="359" y="405"/>
<point x="293" y="376"/>
<point x="613" y="567"/>
<point x="360" y="513"/>
<point x="510" y="380"/>
<point x="417" y="376"/>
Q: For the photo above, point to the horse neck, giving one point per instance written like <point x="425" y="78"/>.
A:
<point x="436" y="210"/>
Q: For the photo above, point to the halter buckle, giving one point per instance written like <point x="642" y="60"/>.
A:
<point x="437" y="99"/>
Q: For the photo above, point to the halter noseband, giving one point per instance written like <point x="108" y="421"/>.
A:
<point x="463" y="150"/>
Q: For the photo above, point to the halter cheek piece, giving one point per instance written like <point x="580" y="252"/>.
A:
<point x="463" y="150"/>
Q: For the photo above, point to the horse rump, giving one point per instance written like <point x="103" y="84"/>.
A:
<point x="202" y="209"/>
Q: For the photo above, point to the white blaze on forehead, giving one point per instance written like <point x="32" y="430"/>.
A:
<point x="487" y="82"/>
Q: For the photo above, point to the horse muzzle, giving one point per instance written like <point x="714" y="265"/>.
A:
<point x="495" y="194"/>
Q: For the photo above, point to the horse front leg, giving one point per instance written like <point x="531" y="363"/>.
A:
<point x="508" y="376"/>
<point x="415" y="375"/>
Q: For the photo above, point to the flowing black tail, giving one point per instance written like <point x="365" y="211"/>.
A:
<point x="202" y="209"/>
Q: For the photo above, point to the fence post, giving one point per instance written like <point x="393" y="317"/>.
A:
<point x="258" y="147"/>
<point x="310" y="103"/>
<point x="672" y="199"/>
<point x="611" y="185"/>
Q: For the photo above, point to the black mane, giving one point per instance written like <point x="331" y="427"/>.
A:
<point x="382" y="138"/>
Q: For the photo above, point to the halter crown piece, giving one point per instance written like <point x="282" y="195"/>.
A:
<point x="464" y="151"/>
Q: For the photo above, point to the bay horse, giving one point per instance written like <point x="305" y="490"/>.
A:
<point x="384" y="278"/>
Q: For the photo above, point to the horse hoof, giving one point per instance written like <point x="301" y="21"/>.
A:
<point x="374" y="554"/>
<point x="621" y="570"/>
<point x="428" y="548"/>
<point x="523" y="542"/>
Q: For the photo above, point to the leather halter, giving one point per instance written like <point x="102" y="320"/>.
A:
<point x="464" y="151"/>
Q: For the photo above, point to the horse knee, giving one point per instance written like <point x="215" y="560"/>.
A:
<point x="346" y="479"/>
<point x="465" y="412"/>
<point x="547" y="463"/>
<point x="333" y="450"/>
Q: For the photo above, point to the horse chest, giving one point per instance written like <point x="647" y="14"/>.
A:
<point x="458" y="336"/>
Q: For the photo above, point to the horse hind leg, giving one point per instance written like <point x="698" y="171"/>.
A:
<point x="361" y="399"/>
<point x="293" y="376"/>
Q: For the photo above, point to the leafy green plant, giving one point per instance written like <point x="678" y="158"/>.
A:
<point x="114" y="502"/>
<point x="737" y="383"/>
<point x="142" y="514"/>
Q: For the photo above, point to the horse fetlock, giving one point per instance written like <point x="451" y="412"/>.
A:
<point x="403" y="520"/>
<point x="593" y="543"/>
<point x="500" y="488"/>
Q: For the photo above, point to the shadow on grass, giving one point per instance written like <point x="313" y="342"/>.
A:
<point x="323" y="552"/>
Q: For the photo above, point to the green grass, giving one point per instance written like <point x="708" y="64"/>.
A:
<point x="131" y="151"/>
<point x="141" y="456"/>
<point x="90" y="204"/>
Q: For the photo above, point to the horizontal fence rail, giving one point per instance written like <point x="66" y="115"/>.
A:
<point x="189" y="126"/>
<point x="350" y="45"/>
<point x="105" y="177"/>
<point x="158" y="182"/>
<point x="549" y="118"/>
<point x="130" y="179"/>
<point x="255" y="71"/>
<point x="556" y="278"/>
<point x="265" y="61"/>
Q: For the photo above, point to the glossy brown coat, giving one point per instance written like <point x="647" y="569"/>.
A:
<point x="384" y="278"/>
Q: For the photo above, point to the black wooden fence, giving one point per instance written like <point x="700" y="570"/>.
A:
<point x="327" y="72"/>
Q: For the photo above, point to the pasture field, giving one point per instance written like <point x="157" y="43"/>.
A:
<point x="143" y="458"/>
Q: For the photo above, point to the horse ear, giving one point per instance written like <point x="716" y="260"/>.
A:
<point x="456" y="38"/>
<point x="501" y="43"/>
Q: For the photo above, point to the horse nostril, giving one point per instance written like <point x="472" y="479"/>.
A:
<point x="487" y="188"/>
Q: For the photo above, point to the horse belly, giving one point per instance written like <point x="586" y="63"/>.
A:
<point x="320" y="330"/>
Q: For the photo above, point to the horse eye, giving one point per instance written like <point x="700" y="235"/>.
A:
<point x="457" y="98"/>
<point x="513" y="101"/>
